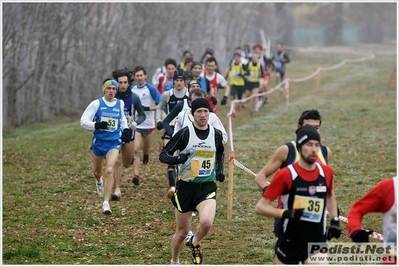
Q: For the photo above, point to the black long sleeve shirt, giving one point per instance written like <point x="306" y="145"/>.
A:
<point x="180" y="140"/>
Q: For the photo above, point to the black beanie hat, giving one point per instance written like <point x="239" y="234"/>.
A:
<point x="200" y="103"/>
<point x="306" y="133"/>
<point x="195" y="63"/>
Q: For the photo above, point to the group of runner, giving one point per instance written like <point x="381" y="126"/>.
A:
<point x="183" y="104"/>
<point x="250" y="71"/>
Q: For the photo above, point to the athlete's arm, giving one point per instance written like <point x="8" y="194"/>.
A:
<point x="219" y="151"/>
<point x="216" y="122"/>
<point x="178" y="142"/>
<point x="277" y="159"/>
<point x="280" y="184"/>
<point x="332" y="204"/>
<point x="155" y="95"/>
<point x="139" y="108"/>
<point x="123" y="116"/>
<point x="329" y="154"/>
<point x="287" y="59"/>
<point x="178" y="123"/>
<point x="172" y="114"/>
<point x="86" y="121"/>
<point x="222" y="81"/>
<point x="161" y="106"/>
<point x="265" y="208"/>
<point x="373" y="201"/>
<point x="208" y="86"/>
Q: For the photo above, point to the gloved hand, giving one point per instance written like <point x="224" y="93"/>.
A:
<point x="146" y="108"/>
<point x="126" y="136"/>
<point x="101" y="125"/>
<point x="183" y="157"/>
<point x="361" y="236"/>
<point x="159" y="125"/>
<point x="220" y="177"/>
<point x="335" y="230"/>
<point x="295" y="214"/>
<point x="224" y="101"/>
<point x="133" y="125"/>
<point x="214" y="100"/>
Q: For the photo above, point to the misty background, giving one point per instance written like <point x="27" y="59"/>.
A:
<point x="56" y="55"/>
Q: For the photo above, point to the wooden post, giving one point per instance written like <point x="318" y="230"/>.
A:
<point x="230" y="189"/>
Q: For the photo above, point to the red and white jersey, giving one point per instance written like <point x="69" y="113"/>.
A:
<point x="215" y="80"/>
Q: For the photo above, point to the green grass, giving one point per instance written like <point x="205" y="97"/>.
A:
<point x="51" y="214"/>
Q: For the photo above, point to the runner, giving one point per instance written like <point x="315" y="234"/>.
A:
<point x="149" y="97"/>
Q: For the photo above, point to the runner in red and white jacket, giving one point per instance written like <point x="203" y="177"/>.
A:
<point x="382" y="198"/>
<point x="215" y="79"/>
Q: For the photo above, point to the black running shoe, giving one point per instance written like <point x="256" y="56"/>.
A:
<point x="136" y="180"/>
<point x="145" y="159"/>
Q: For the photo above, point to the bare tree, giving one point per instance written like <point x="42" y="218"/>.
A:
<point x="56" y="55"/>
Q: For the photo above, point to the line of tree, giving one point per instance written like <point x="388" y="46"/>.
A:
<point x="55" y="55"/>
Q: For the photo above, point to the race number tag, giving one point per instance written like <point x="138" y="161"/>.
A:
<point x="112" y="124"/>
<point x="202" y="164"/>
<point x="254" y="75"/>
<point x="313" y="208"/>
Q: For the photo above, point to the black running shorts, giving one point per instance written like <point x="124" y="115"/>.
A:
<point x="189" y="195"/>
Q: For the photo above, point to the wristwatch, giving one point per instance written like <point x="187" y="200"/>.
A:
<point x="335" y="218"/>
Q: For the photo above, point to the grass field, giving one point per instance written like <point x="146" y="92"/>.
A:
<point x="52" y="215"/>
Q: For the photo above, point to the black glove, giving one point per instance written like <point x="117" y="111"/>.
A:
<point x="182" y="158"/>
<point x="224" y="101"/>
<point x="214" y="100"/>
<point x="295" y="214"/>
<point x="220" y="177"/>
<point x="159" y="125"/>
<point x="146" y="108"/>
<point x="126" y="136"/>
<point x="335" y="230"/>
<point x="361" y="236"/>
<point x="101" y="125"/>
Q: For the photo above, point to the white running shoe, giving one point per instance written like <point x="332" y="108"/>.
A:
<point x="100" y="187"/>
<point x="116" y="195"/>
<point x="188" y="238"/>
<point x="258" y="105"/>
<point x="106" y="208"/>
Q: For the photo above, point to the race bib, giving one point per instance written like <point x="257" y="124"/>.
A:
<point x="112" y="124"/>
<point x="202" y="164"/>
<point x="313" y="208"/>
<point x="254" y="75"/>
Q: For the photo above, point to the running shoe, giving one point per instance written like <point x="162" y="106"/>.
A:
<point x="188" y="237"/>
<point x="116" y="195"/>
<point x="106" y="209"/>
<point x="100" y="187"/>
<point x="258" y="105"/>
<point x="145" y="159"/>
<point x="196" y="254"/>
<point x="171" y="192"/>
<point x="136" y="180"/>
